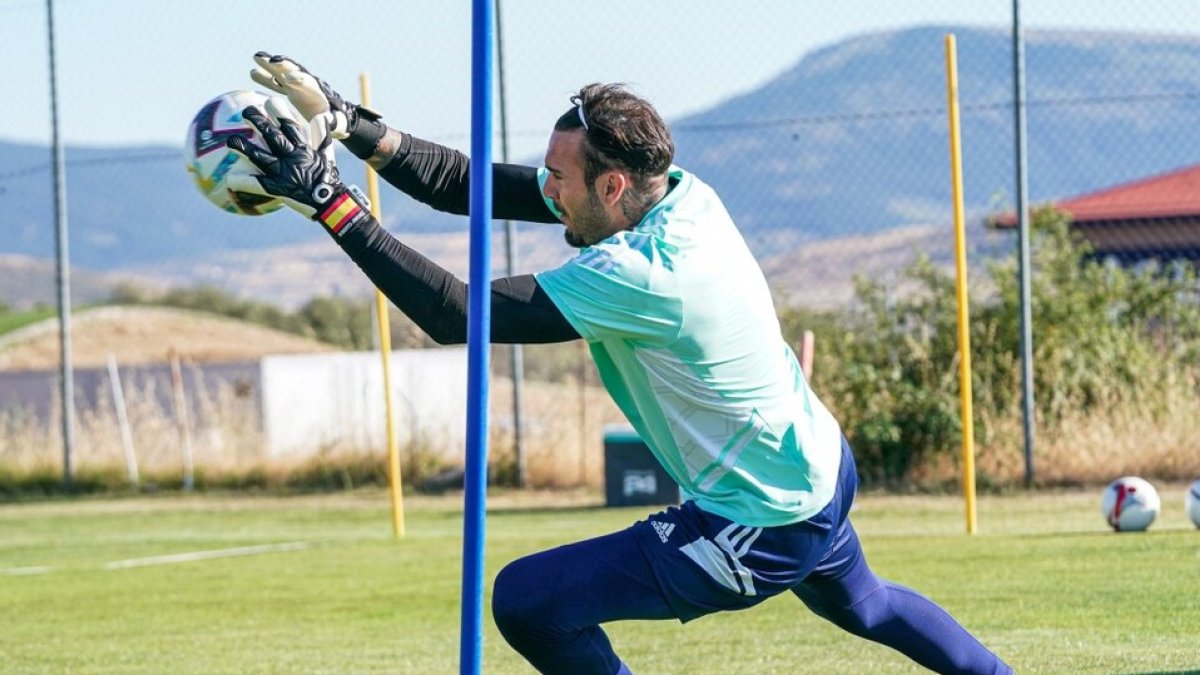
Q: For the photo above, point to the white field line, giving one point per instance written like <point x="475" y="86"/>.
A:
<point x="25" y="571"/>
<point x="205" y="555"/>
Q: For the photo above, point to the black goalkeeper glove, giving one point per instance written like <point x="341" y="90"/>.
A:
<point x="305" y="178"/>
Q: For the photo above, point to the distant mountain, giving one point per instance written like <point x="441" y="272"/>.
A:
<point x="850" y="141"/>
<point x="853" y="139"/>
<point x="125" y="206"/>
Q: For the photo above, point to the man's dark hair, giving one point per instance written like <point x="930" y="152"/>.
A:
<point x="622" y="131"/>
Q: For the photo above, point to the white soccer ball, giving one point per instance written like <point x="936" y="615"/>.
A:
<point x="215" y="168"/>
<point x="1130" y="504"/>
<point x="1192" y="500"/>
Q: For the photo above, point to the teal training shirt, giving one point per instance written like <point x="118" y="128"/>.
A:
<point x="682" y="327"/>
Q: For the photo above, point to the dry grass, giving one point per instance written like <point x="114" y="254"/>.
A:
<point x="1099" y="448"/>
<point x="564" y="431"/>
<point x="563" y="421"/>
<point x="140" y="335"/>
<point x="563" y="428"/>
<point x="224" y="429"/>
<point x="563" y="439"/>
<point x="563" y="443"/>
<point x="1154" y="439"/>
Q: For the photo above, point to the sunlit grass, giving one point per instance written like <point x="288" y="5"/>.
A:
<point x="1043" y="583"/>
<point x="10" y="321"/>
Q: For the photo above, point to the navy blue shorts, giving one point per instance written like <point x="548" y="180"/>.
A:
<point x="684" y="563"/>
<point x="705" y="563"/>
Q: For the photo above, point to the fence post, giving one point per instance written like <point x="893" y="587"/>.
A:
<point x="118" y="394"/>
<point x="183" y="420"/>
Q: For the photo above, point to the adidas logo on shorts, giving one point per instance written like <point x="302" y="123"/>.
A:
<point x="663" y="529"/>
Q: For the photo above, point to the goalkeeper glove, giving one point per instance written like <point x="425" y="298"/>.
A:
<point x="311" y="95"/>
<point x="304" y="177"/>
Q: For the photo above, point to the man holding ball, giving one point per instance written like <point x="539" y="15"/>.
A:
<point x="681" y="325"/>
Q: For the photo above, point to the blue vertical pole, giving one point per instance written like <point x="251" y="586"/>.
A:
<point x="479" y="321"/>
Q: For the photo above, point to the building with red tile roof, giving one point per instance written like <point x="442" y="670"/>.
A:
<point x="1157" y="217"/>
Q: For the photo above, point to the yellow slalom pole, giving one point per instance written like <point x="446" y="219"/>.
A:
<point x="385" y="350"/>
<point x="960" y="260"/>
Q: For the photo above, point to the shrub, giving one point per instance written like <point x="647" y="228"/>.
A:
<point x="1106" y="339"/>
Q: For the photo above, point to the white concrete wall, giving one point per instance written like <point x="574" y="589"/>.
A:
<point x="316" y="401"/>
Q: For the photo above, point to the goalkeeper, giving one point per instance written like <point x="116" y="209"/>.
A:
<point x="682" y="328"/>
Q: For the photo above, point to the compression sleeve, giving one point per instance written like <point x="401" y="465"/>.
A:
<point x="437" y="300"/>
<point x="440" y="176"/>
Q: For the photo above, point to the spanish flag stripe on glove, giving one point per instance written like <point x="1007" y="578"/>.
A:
<point x="340" y="212"/>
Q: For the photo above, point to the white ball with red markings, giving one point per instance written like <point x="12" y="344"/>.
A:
<point x="218" y="171"/>
<point x="1192" y="501"/>
<point x="1130" y="504"/>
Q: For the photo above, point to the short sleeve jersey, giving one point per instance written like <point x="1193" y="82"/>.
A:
<point x="680" y="322"/>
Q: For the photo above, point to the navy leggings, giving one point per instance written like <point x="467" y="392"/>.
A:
<point x="549" y="606"/>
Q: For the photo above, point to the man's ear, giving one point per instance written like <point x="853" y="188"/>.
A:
<point x="612" y="187"/>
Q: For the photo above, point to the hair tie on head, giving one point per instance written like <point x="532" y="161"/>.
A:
<point x="582" y="120"/>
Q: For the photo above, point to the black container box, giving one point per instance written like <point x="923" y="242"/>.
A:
<point x="632" y="477"/>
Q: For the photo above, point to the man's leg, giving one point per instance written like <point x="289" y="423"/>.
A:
<point x="549" y="605"/>
<point x="846" y="592"/>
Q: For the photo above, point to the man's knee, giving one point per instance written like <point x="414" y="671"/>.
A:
<point x="856" y="602"/>
<point x="515" y="599"/>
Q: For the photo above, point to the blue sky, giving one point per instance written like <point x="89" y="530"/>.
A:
<point x="134" y="71"/>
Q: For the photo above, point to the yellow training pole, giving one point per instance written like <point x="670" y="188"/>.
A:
<point x="385" y="349"/>
<point x="960" y="260"/>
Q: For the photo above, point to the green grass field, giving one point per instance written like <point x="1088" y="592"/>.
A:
<point x="10" y="321"/>
<point x="1043" y="583"/>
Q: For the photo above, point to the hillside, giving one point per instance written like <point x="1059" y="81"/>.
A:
<point x="140" y="335"/>
<point x="286" y="275"/>
<point x="26" y="280"/>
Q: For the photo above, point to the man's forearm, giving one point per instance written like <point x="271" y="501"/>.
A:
<point x="437" y="300"/>
<point x="440" y="176"/>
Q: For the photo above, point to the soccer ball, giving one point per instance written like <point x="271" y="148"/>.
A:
<point x="1130" y="504"/>
<point x="1193" y="503"/>
<point x="217" y="170"/>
